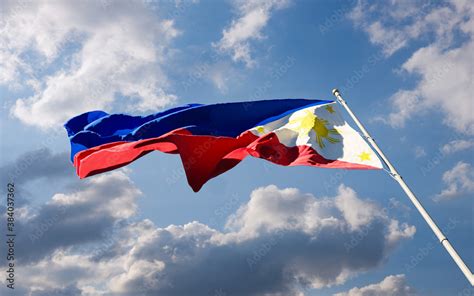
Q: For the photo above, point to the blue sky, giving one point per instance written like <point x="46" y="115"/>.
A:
<point x="405" y="67"/>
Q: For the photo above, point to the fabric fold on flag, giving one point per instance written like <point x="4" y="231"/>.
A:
<point x="212" y="139"/>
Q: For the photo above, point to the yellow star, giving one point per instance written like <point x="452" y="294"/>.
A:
<point x="260" y="129"/>
<point x="330" y="109"/>
<point x="364" y="156"/>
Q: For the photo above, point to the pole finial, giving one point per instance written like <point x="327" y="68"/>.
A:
<point x="335" y="91"/>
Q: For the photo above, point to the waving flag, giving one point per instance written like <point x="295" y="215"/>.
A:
<point x="212" y="139"/>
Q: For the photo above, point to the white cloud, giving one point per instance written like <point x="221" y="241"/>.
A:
<point x="444" y="67"/>
<point x="372" y="17"/>
<point x="459" y="180"/>
<point x="347" y="201"/>
<point x="393" y="25"/>
<point x="397" y="233"/>
<point x="445" y="83"/>
<point x="81" y="56"/>
<point x="278" y="243"/>
<point x="392" y="285"/>
<point x="253" y="17"/>
<point x="456" y="146"/>
<point x="405" y="103"/>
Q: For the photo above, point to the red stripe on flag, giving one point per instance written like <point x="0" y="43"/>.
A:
<point x="203" y="157"/>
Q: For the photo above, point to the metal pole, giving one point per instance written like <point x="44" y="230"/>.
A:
<point x="439" y="234"/>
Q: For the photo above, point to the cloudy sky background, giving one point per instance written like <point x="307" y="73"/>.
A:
<point x="406" y="68"/>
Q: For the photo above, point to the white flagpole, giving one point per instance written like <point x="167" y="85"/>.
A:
<point x="439" y="234"/>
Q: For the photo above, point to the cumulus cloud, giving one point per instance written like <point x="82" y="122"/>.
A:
<point x="79" y="217"/>
<point x="280" y="242"/>
<point x="459" y="181"/>
<point x="253" y="16"/>
<point x="82" y="55"/>
<point x="438" y="87"/>
<point x="392" y="285"/>
<point x="444" y="67"/>
<point x="39" y="165"/>
<point x="36" y="164"/>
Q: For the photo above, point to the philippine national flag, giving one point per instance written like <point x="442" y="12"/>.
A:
<point x="212" y="139"/>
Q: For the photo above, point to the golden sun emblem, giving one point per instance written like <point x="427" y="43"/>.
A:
<point x="304" y="122"/>
<point x="323" y="132"/>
